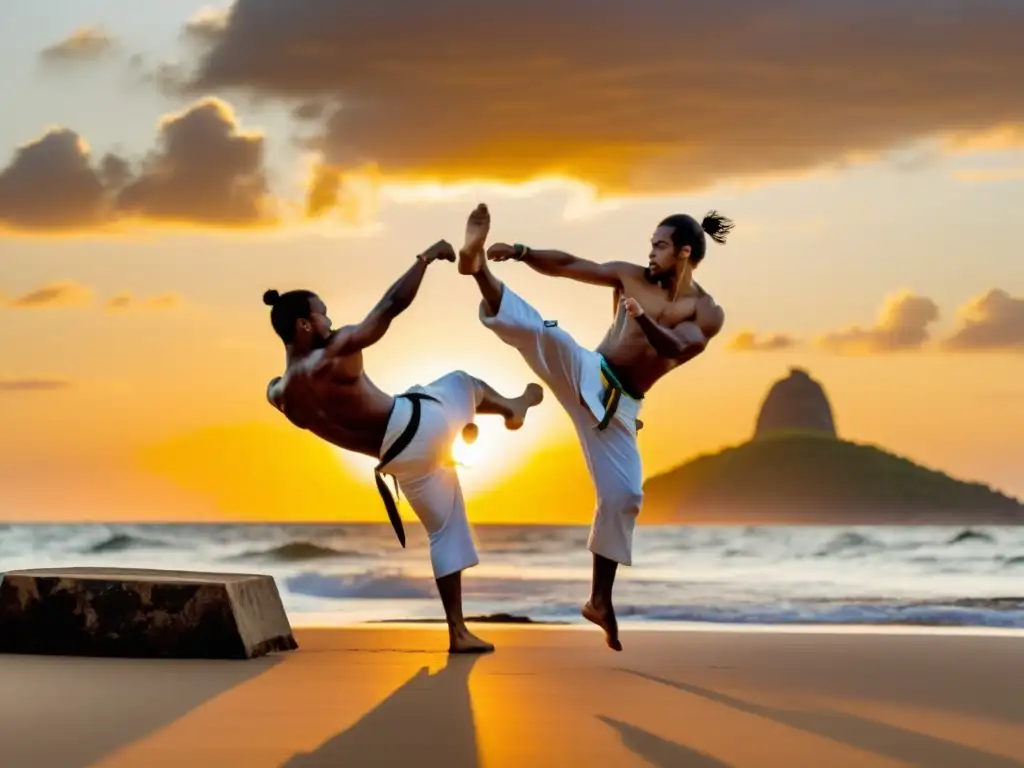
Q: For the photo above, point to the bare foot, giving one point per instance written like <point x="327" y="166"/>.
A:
<point x="464" y="641"/>
<point x="605" y="619"/>
<point x="471" y="255"/>
<point x="534" y="395"/>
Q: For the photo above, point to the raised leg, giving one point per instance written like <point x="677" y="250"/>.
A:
<point x="491" y="289"/>
<point x="473" y="262"/>
<point x="460" y="639"/>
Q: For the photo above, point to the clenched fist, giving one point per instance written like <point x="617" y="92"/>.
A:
<point x="500" y="252"/>
<point x="632" y="306"/>
<point x="442" y="249"/>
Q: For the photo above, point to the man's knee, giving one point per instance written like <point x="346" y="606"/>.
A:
<point x="623" y="499"/>
<point x="461" y="382"/>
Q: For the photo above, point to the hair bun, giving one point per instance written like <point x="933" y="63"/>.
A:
<point x="717" y="226"/>
<point x="270" y="297"/>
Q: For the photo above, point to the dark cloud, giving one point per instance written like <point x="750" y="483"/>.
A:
<point x="749" y="341"/>
<point x="643" y="96"/>
<point x="81" y="45"/>
<point x="33" y="385"/>
<point x="50" y="183"/>
<point x="994" y="321"/>
<point x="204" y="171"/>
<point x="310" y="110"/>
<point x="902" y="326"/>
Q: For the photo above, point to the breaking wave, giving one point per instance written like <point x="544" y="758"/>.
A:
<point x="294" y="551"/>
<point x="363" y="586"/>
<point x="1005" y="613"/>
<point x="122" y="542"/>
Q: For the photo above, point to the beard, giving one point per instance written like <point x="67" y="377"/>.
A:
<point x="654" y="278"/>
<point x="320" y="342"/>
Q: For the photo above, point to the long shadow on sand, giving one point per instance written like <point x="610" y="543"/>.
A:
<point x="83" y="709"/>
<point x="660" y="752"/>
<point x="426" y="722"/>
<point x="861" y="733"/>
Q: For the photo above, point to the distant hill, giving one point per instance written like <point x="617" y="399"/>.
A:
<point x="813" y="477"/>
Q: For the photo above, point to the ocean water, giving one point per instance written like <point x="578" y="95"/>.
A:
<point x="344" y="574"/>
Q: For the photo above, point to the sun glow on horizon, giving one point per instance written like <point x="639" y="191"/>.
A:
<point x="491" y="458"/>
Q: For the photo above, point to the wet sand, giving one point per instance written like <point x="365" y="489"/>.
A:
<point x="548" y="697"/>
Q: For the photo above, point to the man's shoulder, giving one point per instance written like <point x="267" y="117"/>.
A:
<point x="627" y="268"/>
<point x="275" y="392"/>
<point x="629" y="273"/>
<point x="701" y="293"/>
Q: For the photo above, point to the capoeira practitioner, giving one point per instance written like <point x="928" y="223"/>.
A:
<point x="662" y="320"/>
<point x="324" y="389"/>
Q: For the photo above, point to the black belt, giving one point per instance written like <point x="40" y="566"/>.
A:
<point x="396" y="448"/>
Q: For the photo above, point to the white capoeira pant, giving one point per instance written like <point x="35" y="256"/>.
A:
<point x="575" y="377"/>
<point x="425" y="471"/>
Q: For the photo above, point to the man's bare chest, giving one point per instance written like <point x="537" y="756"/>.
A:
<point x="659" y="307"/>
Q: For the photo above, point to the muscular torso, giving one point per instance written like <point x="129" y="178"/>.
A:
<point x="334" y="399"/>
<point x="625" y="346"/>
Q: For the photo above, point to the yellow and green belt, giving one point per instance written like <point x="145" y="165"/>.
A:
<point x="613" y="392"/>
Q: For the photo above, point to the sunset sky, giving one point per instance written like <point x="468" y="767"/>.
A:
<point x="165" y="163"/>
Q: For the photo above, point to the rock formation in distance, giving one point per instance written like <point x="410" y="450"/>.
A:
<point x="796" y="403"/>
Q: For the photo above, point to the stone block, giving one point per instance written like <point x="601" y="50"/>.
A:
<point x="142" y="614"/>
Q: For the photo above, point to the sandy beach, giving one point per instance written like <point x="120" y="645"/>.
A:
<point x="549" y="696"/>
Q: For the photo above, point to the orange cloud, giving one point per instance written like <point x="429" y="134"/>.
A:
<point x="125" y="301"/>
<point x="994" y="321"/>
<point x="8" y="385"/>
<point x="997" y="138"/>
<point x="749" y="341"/>
<point x="207" y="26"/>
<point x="323" y="192"/>
<point x="902" y="326"/>
<point x="53" y="296"/>
<point x="81" y="45"/>
<point x="70" y="294"/>
<point x="659" y="97"/>
<point x="204" y="171"/>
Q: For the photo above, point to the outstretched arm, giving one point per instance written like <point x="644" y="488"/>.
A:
<point x="685" y="341"/>
<point x="561" y="264"/>
<point x="396" y="300"/>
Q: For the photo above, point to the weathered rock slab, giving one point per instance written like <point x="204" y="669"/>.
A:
<point x="142" y="614"/>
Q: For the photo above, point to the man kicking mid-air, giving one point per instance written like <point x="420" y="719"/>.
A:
<point x="662" y="320"/>
<point x="325" y="390"/>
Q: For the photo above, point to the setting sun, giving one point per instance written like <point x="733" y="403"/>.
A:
<point x="491" y="458"/>
<point x="466" y="453"/>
